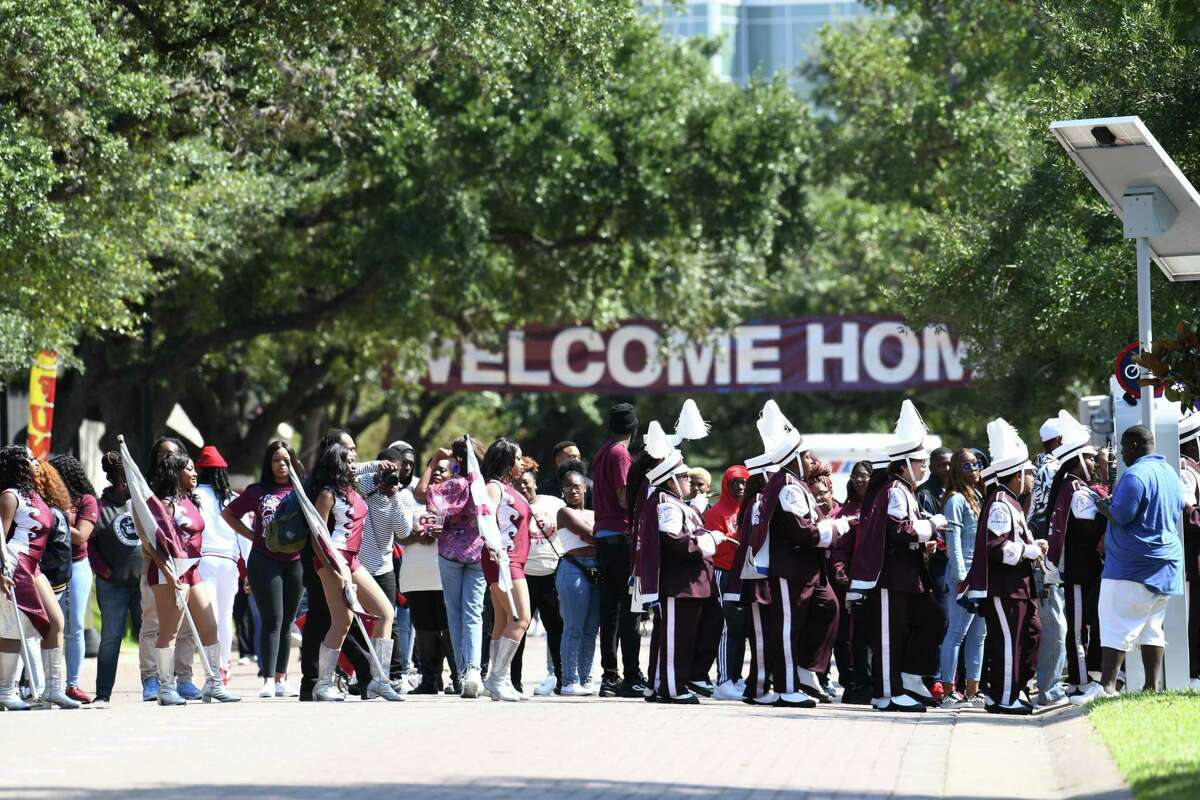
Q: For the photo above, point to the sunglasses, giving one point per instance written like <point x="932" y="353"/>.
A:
<point x="970" y="466"/>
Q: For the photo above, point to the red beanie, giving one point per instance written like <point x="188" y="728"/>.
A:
<point x="210" y="456"/>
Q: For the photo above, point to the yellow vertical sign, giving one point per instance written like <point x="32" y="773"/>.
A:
<point x="42" y="381"/>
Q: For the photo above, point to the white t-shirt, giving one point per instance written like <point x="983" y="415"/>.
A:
<point x="543" y="529"/>
<point x="567" y="540"/>
<point x="219" y="539"/>
<point x="419" y="567"/>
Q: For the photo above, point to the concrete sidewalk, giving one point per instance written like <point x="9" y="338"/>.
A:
<point x="446" y="747"/>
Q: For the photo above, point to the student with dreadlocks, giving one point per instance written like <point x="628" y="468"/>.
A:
<point x="223" y="554"/>
<point x="26" y="521"/>
<point x="85" y="511"/>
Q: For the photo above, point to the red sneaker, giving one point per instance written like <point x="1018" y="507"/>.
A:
<point x="938" y="691"/>
<point x="75" y="693"/>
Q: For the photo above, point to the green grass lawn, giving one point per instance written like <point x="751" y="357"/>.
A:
<point x="1155" y="740"/>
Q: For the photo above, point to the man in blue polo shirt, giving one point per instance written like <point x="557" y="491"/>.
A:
<point x="1143" y="562"/>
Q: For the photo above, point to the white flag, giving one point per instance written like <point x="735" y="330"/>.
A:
<point x="144" y="521"/>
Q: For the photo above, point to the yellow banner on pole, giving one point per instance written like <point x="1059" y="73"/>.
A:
<point x="43" y="378"/>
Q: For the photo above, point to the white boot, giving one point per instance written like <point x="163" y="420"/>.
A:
<point x="491" y="673"/>
<point x="379" y="685"/>
<point x="167" y="695"/>
<point x="323" y="689"/>
<point x="52" y="666"/>
<point x="498" y="683"/>
<point x="213" y="688"/>
<point x="10" y="698"/>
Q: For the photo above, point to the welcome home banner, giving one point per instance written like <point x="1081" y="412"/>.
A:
<point x="803" y="354"/>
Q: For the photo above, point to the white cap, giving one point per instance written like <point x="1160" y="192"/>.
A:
<point x="910" y="435"/>
<point x="1076" y="437"/>
<point x="690" y="426"/>
<point x="1189" y="427"/>
<point x="1050" y="429"/>
<point x="658" y="445"/>
<point x="781" y="442"/>
<point x="1008" y="452"/>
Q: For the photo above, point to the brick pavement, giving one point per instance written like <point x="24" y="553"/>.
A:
<point x="445" y="747"/>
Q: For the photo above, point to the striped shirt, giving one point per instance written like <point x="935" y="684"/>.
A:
<point x="389" y="517"/>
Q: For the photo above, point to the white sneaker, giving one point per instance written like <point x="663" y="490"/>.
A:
<point x="574" y="690"/>
<point x="283" y="689"/>
<point x="471" y="684"/>
<point x="546" y="687"/>
<point x="589" y="688"/>
<point x="727" y="691"/>
<point x="1090" y="693"/>
<point x="268" y="688"/>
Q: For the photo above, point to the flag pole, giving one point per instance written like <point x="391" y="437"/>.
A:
<point x="26" y="655"/>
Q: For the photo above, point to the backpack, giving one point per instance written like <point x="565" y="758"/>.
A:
<point x="287" y="530"/>
<point x="56" y="558"/>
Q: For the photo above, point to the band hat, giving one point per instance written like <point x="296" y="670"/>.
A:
<point x="670" y="460"/>
<point x="910" y="435"/>
<point x="987" y="475"/>
<point x="210" y="456"/>
<point x="880" y="460"/>
<point x="1076" y="438"/>
<point x="690" y="426"/>
<point x="759" y="465"/>
<point x="1007" y="450"/>
<point x="781" y="441"/>
<point x="1051" y="429"/>
<point x="1189" y="427"/>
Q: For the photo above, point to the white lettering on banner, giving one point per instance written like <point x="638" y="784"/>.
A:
<point x="441" y="356"/>
<point x="820" y="351"/>
<point x="518" y="375"/>
<point x="691" y="364"/>
<point x="476" y="366"/>
<point x="910" y="353"/>
<point x="941" y="352"/>
<point x="618" y="367"/>
<point x="560" y="357"/>
<point x="751" y="358"/>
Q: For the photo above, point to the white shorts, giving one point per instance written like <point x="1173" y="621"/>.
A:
<point x="1131" y="614"/>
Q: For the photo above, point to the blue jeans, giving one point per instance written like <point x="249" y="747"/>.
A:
<point x="403" y="629"/>
<point x="119" y="605"/>
<point x="1052" y="652"/>
<point x="74" y="604"/>
<point x="964" y="631"/>
<point x="579" y="602"/>
<point x="463" y="587"/>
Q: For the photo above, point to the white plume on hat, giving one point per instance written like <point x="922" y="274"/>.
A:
<point x="910" y="435"/>
<point x="658" y="445"/>
<point x="1076" y="437"/>
<point x="1189" y="427"/>
<point x="1008" y="451"/>
<point x="781" y="441"/>
<point x="690" y="426"/>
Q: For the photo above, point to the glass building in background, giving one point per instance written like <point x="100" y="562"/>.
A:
<point x="768" y="35"/>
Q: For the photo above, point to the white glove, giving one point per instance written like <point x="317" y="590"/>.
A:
<point x="1032" y="552"/>
<point x="938" y="521"/>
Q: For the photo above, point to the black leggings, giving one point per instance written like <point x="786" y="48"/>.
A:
<point x="543" y="598"/>
<point x="276" y="586"/>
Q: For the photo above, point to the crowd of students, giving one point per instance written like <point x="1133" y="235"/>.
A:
<point x="952" y="578"/>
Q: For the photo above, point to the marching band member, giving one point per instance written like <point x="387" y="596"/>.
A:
<point x="1074" y="555"/>
<point x="1001" y="575"/>
<point x="1189" y="473"/>
<point x="674" y="570"/>
<point x="890" y="568"/>
<point x="26" y="521"/>
<point x="796" y="536"/>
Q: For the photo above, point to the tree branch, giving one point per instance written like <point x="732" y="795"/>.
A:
<point x="520" y="238"/>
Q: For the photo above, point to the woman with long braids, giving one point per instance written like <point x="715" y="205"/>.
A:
<point x="276" y="579"/>
<point x="179" y="537"/>
<point x="26" y="521"/>
<point x="85" y="511"/>
<point x="333" y="491"/>
<point x="501" y="469"/>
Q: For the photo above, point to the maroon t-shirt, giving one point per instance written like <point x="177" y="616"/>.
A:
<point x="262" y="503"/>
<point x="87" y="509"/>
<point x="610" y="468"/>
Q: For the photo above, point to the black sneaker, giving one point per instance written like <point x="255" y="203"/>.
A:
<point x="702" y="688"/>
<point x="630" y="688"/>
<point x="609" y="688"/>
